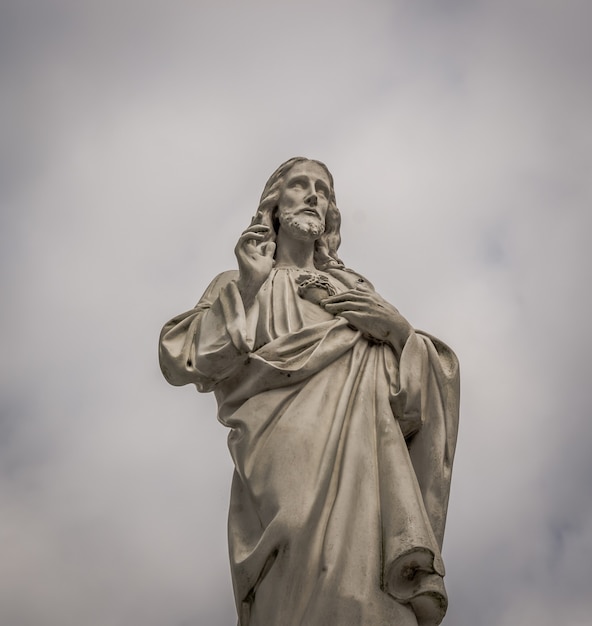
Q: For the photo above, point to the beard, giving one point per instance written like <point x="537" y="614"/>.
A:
<point x="302" y="227"/>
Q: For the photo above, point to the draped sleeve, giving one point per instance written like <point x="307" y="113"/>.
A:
<point x="424" y="397"/>
<point x="210" y="342"/>
<point x="429" y="372"/>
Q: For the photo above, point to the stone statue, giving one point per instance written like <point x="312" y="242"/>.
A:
<point x="342" y="418"/>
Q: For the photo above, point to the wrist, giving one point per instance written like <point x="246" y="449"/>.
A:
<point x="400" y="332"/>
<point x="248" y="291"/>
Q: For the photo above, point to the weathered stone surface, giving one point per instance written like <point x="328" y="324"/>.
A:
<point x="342" y="419"/>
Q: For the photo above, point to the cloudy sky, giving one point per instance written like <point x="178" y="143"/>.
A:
<point x="136" y="137"/>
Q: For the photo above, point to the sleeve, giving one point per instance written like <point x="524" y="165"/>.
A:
<point x="429" y="376"/>
<point x="425" y="392"/>
<point x="211" y="342"/>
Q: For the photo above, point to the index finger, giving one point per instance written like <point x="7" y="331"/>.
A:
<point x="255" y="231"/>
<point x="346" y="296"/>
<point x="256" y="228"/>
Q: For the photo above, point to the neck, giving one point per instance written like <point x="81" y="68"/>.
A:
<point x="294" y="252"/>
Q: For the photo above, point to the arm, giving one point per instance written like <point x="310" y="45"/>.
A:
<point x="209" y="343"/>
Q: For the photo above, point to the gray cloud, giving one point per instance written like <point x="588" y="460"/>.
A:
<point x="136" y="141"/>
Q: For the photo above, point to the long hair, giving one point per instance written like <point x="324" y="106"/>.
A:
<point x="325" y="254"/>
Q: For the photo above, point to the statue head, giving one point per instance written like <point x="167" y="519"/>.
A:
<point x="326" y="245"/>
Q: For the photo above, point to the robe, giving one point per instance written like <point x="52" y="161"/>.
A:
<point x="342" y="452"/>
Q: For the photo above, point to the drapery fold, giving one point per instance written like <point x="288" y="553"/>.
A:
<point x="342" y="455"/>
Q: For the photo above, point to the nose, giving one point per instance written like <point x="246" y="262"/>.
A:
<point x="312" y="199"/>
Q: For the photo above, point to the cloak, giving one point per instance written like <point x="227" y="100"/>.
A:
<point x="343" y="455"/>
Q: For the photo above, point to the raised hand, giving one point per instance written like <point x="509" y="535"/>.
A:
<point x="369" y="312"/>
<point x="255" y="260"/>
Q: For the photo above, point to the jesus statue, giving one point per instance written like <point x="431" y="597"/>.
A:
<point x="342" y="422"/>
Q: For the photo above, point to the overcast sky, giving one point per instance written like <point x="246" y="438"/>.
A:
<point x="136" y="138"/>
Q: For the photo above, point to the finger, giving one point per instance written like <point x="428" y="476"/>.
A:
<point x="343" y="307"/>
<point x="350" y="316"/>
<point x="341" y="296"/>
<point x="353" y="293"/>
<point x="268" y="248"/>
<point x="354" y="319"/>
<point x="254" y="228"/>
<point x="257" y="218"/>
<point x="348" y="296"/>
<point x="247" y="236"/>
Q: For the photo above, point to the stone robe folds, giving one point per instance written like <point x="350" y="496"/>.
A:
<point x="343" y="455"/>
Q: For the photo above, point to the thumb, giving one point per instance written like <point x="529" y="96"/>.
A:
<point x="269" y="248"/>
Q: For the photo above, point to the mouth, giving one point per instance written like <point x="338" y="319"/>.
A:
<point x="311" y="212"/>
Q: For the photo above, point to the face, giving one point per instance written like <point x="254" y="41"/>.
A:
<point x="304" y="200"/>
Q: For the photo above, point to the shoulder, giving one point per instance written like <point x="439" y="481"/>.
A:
<point x="224" y="278"/>
<point x="219" y="282"/>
